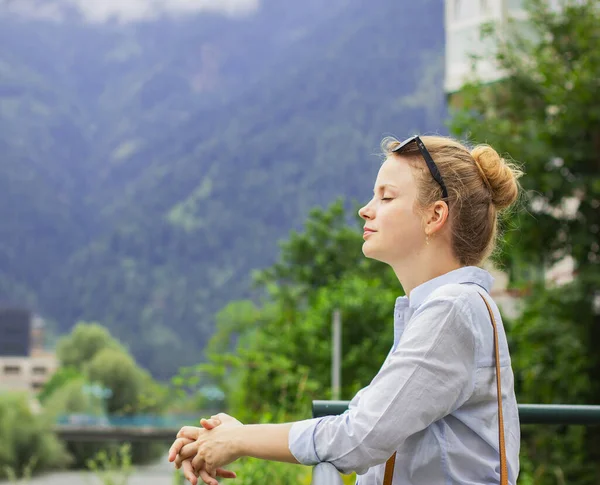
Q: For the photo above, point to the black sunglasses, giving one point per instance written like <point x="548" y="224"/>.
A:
<point x="435" y="173"/>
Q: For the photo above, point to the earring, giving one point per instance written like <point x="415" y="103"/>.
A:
<point x="427" y="239"/>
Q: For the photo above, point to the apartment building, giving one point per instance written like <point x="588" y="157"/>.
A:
<point x="25" y="365"/>
<point x="463" y="21"/>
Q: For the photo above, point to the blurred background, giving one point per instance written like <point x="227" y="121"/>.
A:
<point x="179" y="181"/>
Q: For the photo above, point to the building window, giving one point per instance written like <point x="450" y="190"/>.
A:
<point x="39" y="371"/>
<point x="37" y="386"/>
<point x="12" y="370"/>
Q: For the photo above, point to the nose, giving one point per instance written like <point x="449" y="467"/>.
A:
<point x="366" y="212"/>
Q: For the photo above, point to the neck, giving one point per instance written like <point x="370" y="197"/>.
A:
<point x="433" y="261"/>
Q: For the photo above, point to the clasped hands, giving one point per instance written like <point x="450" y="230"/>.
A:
<point x="203" y="451"/>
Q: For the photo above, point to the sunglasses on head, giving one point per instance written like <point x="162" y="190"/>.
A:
<point x="435" y="173"/>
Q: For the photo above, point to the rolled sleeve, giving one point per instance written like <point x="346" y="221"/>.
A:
<point x="301" y="441"/>
<point x="428" y="375"/>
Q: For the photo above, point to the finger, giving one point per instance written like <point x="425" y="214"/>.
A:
<point x="188" y="472"/>
<point x="182" y="457"/>
<point x="198" y="462"/>
<point x="189" y="450"/>
<point x="207" y="478"/>
<point x="226" y="418"/>
<point x="189" y="432"/>
<point x="221" y="472"/>
<point x="210" y="423"/>
<point x="176" y="447"/>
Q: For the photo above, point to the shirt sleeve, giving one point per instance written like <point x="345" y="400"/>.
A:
<point x="428" y="375"/>
<point x="301" y="437"/>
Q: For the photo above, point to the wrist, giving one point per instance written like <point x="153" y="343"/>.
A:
<point x="239" y="441"/>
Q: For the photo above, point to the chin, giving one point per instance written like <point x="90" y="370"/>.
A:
<point x="370" y="252"/>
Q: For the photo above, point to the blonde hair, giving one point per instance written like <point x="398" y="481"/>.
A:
<point x="480" y="185"/>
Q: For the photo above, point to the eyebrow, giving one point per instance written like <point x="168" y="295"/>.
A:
<point x="382" y="187"/>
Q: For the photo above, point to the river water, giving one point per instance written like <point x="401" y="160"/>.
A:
<point x="160" y="473"/>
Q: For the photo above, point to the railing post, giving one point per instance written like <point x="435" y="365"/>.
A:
<point x="326" y="474"/>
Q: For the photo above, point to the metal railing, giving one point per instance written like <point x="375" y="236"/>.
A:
<point x="528" y="413"/>
<point x="326" y="474"/>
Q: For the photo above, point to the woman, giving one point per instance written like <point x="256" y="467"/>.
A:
<point x="434" y="403"/>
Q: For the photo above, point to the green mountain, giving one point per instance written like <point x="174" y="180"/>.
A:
<point x="147" y="168"/>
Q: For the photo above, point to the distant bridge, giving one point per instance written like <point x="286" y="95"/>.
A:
<point x="85" y="428"/>
<point x="114" y="433"/>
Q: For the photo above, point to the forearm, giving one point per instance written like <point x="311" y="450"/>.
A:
<point x="266" y="441"/>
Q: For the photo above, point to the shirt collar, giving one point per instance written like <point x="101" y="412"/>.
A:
<point x="466" y="274"/>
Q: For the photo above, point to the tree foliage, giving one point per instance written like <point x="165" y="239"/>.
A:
<point x="545" y="113"/>
<point x="27" y="439"/>
<point x="91" y="352"/>
<point x="92" y="360"/>
<point x="83" y="343"/>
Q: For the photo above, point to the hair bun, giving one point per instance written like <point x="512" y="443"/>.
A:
<point x="498" y="174"/>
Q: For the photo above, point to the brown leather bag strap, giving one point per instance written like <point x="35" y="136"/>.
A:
<point x="389" y="466"/>
<point x="503" y="466"/>
<point x="389" y="470"/>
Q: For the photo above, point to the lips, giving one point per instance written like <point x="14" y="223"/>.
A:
<point x="368" y="231"/>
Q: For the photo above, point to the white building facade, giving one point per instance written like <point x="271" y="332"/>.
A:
<point x="464" y="20"/>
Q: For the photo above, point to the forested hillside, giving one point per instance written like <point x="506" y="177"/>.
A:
<point x="147" y="168"/>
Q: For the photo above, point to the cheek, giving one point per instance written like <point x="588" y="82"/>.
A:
<point x="404" y="227"/>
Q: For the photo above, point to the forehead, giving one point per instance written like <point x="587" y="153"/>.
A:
<point x="395" y="171"/>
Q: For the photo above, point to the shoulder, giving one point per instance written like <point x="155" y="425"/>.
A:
<point x="454" y="307"/>
<point x="444" y="320"/>
<point x="467" y="298"/>
<point x="455" y="297"/>
<point x="468" y="305"/>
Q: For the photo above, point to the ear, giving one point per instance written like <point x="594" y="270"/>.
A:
<point x="436" y="217"/>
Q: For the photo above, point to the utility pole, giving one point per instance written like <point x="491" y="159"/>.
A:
<point x="336" y="355"/>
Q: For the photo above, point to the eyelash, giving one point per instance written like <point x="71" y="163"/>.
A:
<point x="386" y="198"/>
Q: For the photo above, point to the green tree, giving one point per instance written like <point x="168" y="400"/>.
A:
<point x="117" y="371"/>
<point x="91" y="351"/>
<point x="73" y="398"/>
<point x="91" y="356"/>
<point x="133" y="389"/>
<point x="82" y="344"/>
<point x="27" y="437"/>
<point x="545" y="112"/>
<point x="60" y="378"/>
<point x="550" y="363"/>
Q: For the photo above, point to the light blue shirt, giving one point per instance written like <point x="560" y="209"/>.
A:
<point x="434" y="400"/>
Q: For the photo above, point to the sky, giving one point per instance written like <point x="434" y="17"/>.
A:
<point x="99" y="11"/>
